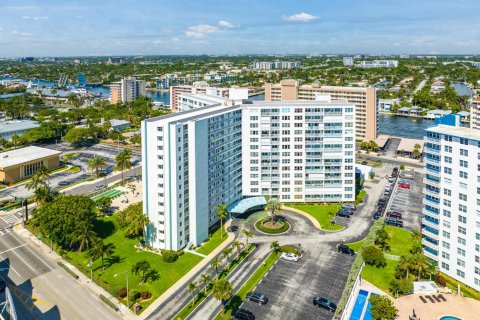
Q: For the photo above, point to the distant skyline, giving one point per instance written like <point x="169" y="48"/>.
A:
<point x="157" y="27"/>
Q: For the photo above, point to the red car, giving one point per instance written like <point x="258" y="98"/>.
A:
<point x="404" y="186"/>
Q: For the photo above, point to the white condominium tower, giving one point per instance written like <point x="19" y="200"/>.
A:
<point x="451" y="212"/>
<point x="194" y="160"/>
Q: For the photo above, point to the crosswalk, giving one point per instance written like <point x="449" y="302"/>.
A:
<point x="11" y="218"/>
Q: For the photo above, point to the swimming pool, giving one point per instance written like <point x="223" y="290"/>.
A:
<point x="359" y="305"/>
<point x="449" y="318"/>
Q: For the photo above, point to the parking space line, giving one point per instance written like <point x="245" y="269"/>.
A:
<point x="11" y="249"/>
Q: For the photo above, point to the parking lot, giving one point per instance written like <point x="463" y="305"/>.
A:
<point x="291" y="286"/>
<point x="408" y="202"/>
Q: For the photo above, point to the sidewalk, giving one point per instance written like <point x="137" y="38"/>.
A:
<point x="53" y="257"/>
<point x="191" y="274"/>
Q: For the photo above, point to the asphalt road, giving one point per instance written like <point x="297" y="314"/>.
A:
<point x="41" y="290"/>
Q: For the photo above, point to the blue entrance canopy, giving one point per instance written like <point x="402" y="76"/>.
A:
<point x="244" y="205"/>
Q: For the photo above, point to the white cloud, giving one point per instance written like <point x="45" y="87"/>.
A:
<point x="225" y="24"/>
<point x="302" y="16"/>
<point x="199" y="31"/>
<point x="35" y="18"/>
<point x="25" y="34"/>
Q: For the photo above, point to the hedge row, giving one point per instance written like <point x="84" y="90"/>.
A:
<point x="70" y="272"/>
<point x="259" y="226"/>
<point x="107" y="301"/>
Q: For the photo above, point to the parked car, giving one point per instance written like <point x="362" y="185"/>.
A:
<point x="349" y="206"/>
<point x="324" y="303"/>
<point x="344" y="213"/>
<point x="364" y="163"/>
<point x="394" y="214"/>
<point x="382" y="202"/>
<point x="257" y="297"/>
<point x="394" y="222"/>
<point x="63" y="183"/>
<point x="101" y="186"/>
<point x="404" y="185"/>
<point x="243" y="314"/>
<point x="377" y="215"/>
<point x="232" y="228"/>
<point x="290" y="256"/>
<point x="345" y="249"/>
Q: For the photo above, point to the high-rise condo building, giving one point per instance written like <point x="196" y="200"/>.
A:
<point x="475" y="113"/>
<point x="127" y="90"/>
<point x="347" y="61"/>
<point x="297" y="151"/>
<point x="364" y="99"/>
<point x="197" y="87"/>
<point x="451" y="214"/>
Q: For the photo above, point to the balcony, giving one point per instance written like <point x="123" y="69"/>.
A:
<point x="430" y="211"/>
<point x="432" y="171"/>
<point x="430" y="253"/>
<point x="431" y="192"/>
<point x="431" y="139"/>
<point x="431" y="202"/>
<point x="434" y="181"/>
<point x="429" y="244"/>
<point x="428" y="221"/>
<point x="432" y="150"/>
<point x="430" y="233"/>
<point x="431" y="160"/>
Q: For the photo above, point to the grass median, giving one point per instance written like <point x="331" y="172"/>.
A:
<point x="214" y="241"/>
<point x="324" y="214"/>
<point x="251" y="283"/>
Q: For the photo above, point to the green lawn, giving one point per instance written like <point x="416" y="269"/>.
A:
<point x="215" y="240"/>
<point x="248" y="286"/>
<point x="124" y="257"/>
<point x="380" y="277"/>
<point x="356" y="245"/>
<point x="400" y="241"/>
<point x="322" y="213"/>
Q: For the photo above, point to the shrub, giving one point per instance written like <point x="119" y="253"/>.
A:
<point x="440" y="280"/>
<point x="373" y="256"/>
<point x="180" y="253"/>
<point x="69" y="271"/>
<point x="122" y="293"/>
<point x="169" y="256"/>
<point x="260" y="226"/>
<point x="402" y="286"/>
<point x="145" y="295"/>
<point x="134" y="295"/>
<point x="290" y="249"/>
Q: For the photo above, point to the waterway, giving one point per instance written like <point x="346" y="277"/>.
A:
<point x="463" y="89"/>
<point x="403" y="126"/>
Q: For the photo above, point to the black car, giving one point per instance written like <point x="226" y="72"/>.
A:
<point x="344" y="213"/>
<point x="243" y="314"/>
<point x="364" y="163"/>
<point x="377" y="215"/>
<point x="324" y="303"/>
<point x="345" y="249"/>
<point x="232" y="228"/>
<point x="63" y="183"/>
<point x="257" y="297"/>
<point x="394" y="222"/>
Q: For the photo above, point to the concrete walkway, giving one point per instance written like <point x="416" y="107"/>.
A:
<point x="189" y="276"/>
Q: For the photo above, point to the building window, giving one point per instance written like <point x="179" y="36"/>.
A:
<point x="460" y="273"/>
<point x="464" y="152"/>
<point x="445" y="266"/>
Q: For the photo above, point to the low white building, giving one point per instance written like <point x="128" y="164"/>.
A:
<point x="16" y="127"/>
<point x="378" y="64"/>
<point x="385" y="105"/>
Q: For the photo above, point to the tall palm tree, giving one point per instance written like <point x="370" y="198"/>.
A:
<point x="275" y="246"/>
<point x="237" y="245"/>
<point x="192" y="287"/>
<point x="248" y="234"/>
<point x="221" y="214"/>
<point x="44" y="194"/>
<point x="42" y="173"/>
<point x="222" y="290"/>
<point x="101" y="249"/>
<point x="136" y="224"/>
<point x="274" y="207"/>
<point x="123" y="161"/>
<point x="216" y="263"/>
<point x="83" y="236"/>
<point x="205" y="279"/>
<point x="96" y="164"/>
<point x="34" y="183"/>
<point x="226" y="252"/>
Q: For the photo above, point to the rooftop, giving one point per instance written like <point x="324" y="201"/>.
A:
<point x="19" y="156"/>
<point x="15" y="125"/>
<point x="456" y="131"/>
<point x="243" y="205"/>
<point x="409" y="144"/>
<point x="116" y="122"/>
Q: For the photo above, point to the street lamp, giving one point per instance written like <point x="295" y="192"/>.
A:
<point x="126" y="274"/>
<point x="90" y="264"/>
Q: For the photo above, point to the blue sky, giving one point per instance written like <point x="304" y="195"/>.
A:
<point x="136" y="27"/>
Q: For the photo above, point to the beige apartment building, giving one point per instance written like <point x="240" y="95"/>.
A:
<point x="365" y="100"/>
<point x="127" y="90"/>
<point x="197" y="87"/>
<point x="475" y="113"/>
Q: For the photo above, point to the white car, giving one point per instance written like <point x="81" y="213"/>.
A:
<point x="289" y="257"/>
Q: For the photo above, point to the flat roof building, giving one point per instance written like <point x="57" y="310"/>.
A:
<point x="364" y="99"/>
<point x="197" y="87"/>
<point x="16" y="127"/>
<point x="22" y="163"/>
<point x="127" y="90"/>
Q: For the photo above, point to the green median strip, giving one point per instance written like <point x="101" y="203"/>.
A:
<point x="202" y="295"/>
<point x="249" y="286"/>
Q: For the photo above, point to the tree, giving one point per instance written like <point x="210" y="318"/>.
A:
<point x="103" y="204"/>
<point x="237" y="245"/>
<point x="142" y="269"/>
<point x="42" y="173"/>
<point x="222" y="290"/>
<point x="136" y="139"/>
<point x="226" y="252"/>
<point x="275" y="247"/>
<point x="417" y="246"/>
<point x="75" y="100"/>
<point x="205" y="279"/>
<point x="192" y="287"/>
<point x="373" y="256"/>
<point x="382" y="239"/>
<point x="123" y="161"/>
<point x="133" y="221"/>
<point x="382" y="308"/>
<point x="373" y="145"/>
<point x="274" y="207"/>
<point x="96" y="164"/>
<point x="34" y="183"/>
<point x="83" y="236"/>
<point x="401" y="286"/>
<point x="44" y="194"/>
<point x="248" y="234"/>
<point x="100" y="249"/>
<point x="216" y="263"/>
<point x="221" y="214"/>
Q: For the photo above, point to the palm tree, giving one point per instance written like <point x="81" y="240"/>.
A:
<point x="84" y="236"/>
<point x="275" y="247"/>
<point x="237" y="245"/>
<point x="216" y="263"/>
<point x="137" y="225"/>
<point x="192" y="286"/>
<point x="141" y="269"/>
<point x="42" y="173"/>
<point x="274" y="206"/>
<point x="248" y="234"/>
<point x="205" y="279"/>
<point x="34" y="183"/>
<point x="44" y="194"/>
<point x="101" y="249"/>
<point x="221" y="214"/>
<point x="226" y="252"/>
<point x="222" y="290"/>
<point x="123" y="161"/>
<point x="97" y="163"/>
